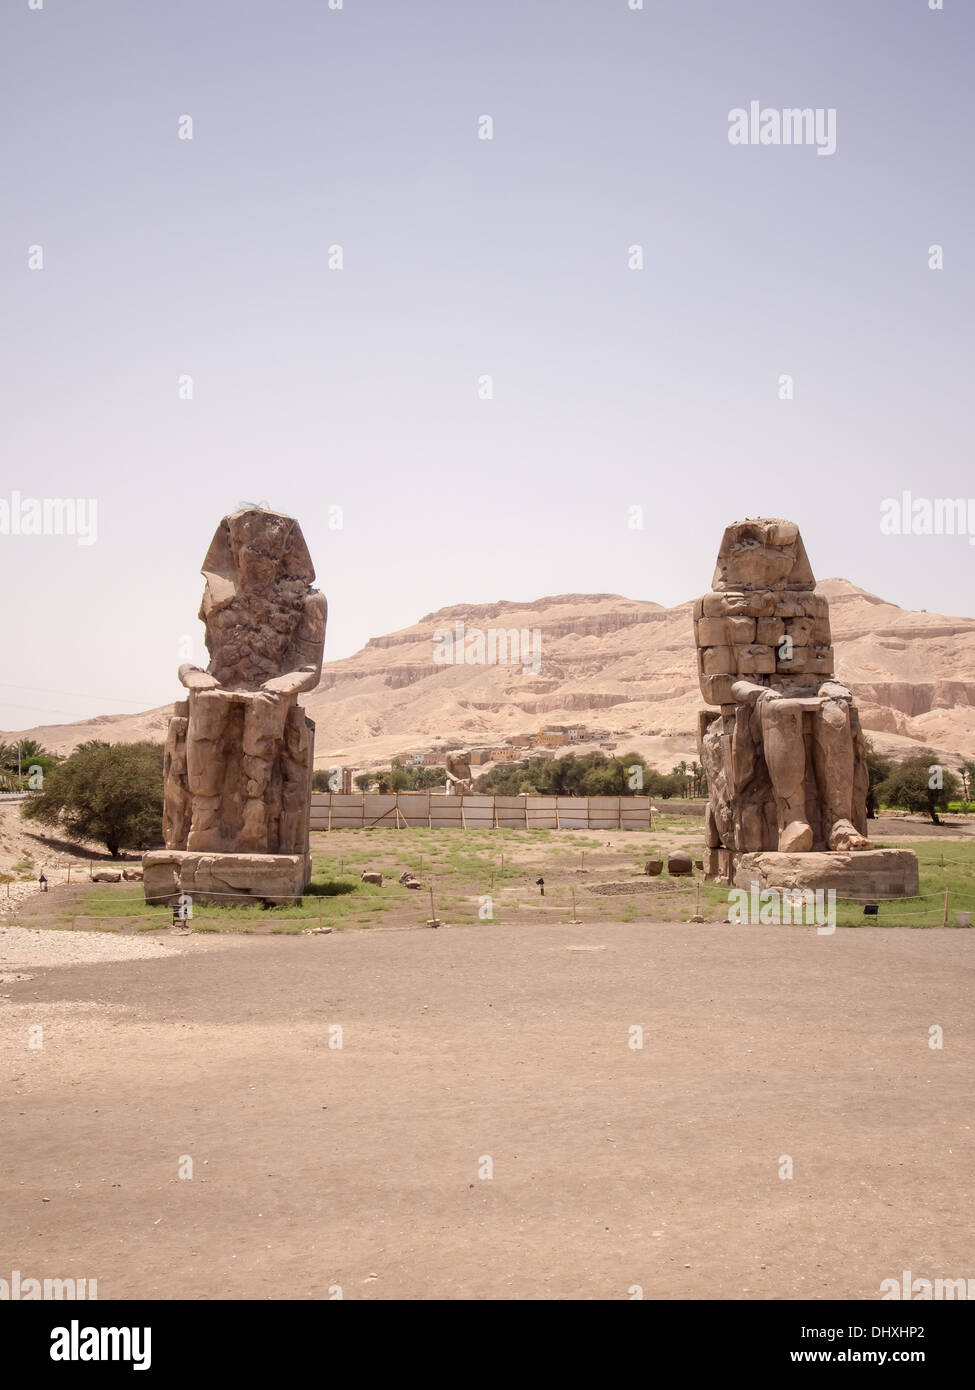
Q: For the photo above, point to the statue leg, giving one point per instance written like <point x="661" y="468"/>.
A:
<point x="835" y="772"/>
<point x="785" y="754"/>
<point x="295" y="788"/>
<point x="264" y="721"/>
<point x="204" y="768"/>
<point x="176" y="796"/>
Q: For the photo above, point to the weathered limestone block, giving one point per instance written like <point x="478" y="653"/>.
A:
<point x="224" y="879"/>
<point x="770" y="631"/>
<point x="755" y="660"/>
<point x="712" y="632"/>
<point x="718" y="661"/>
<point x="875" y="873"/>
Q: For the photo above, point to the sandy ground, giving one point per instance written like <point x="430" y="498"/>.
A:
<point x="502" y="1049"/>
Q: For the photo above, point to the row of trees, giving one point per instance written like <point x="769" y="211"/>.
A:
<point x="591" y="774"/>
<point x="401" y="777"/>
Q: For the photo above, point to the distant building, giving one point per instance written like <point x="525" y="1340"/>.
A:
<point x="479" y="756"/>
<point x="555" y="735"/>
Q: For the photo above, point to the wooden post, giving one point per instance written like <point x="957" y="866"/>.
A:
<point x="494" y="805"/>
<point x="330" y="813"/>
<point x="557" y="825"/>
<point x="433" y="910"/>
<point x="573" y="904"/>
<point x="526" y="812"/>
<point x="619" y="812"/>
<point x="319" y="911"/>
<point x="68" y="880"/>
<point x="945" y="922"/>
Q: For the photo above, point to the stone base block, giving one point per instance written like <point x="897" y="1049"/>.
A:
<point x="224" y="879"/>
<point x="870" y="873"/>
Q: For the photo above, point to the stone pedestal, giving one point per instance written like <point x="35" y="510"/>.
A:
<point x="872" y="873"/>
<point x="225" y="879"/>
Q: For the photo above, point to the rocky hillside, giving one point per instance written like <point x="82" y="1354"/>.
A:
<point x="622" y="665"/>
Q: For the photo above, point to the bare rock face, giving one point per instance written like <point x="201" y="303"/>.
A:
<point x="784" y="753"/>
<point x="239" y="749"/>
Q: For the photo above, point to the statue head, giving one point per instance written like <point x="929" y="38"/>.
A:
<point x="253" y="548"/>
<point x="764" y="553"/>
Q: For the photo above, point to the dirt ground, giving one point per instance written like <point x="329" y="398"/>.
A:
<point x="504" y="1050"/>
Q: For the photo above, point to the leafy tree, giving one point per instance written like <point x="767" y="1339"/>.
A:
<point x="909" y="786"/>
<point x="111" y="793"/>
<point x="879" y="769"/>
<point x="967" y="774"/>
<point x="413" y="777"/>
<point x="363" y="781"/>
<point x="319" y="781"/>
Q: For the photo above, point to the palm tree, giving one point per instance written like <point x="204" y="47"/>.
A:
<point x="16" y="756"/>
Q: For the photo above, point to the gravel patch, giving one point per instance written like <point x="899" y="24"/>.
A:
<point x="25" y="946"/>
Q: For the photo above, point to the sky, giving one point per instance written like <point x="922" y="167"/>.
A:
<point x="436" y="349"/>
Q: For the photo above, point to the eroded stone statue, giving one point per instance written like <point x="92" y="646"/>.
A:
<point x="239" y="752"/>
<point x="785" y="756"/>
<point x="458" y="769"/>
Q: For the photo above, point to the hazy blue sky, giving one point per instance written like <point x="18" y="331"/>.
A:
<point x="464" y="257"/>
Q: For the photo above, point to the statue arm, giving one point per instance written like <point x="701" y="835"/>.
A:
<point x="307" y="648"/>
<point x="193" y="678"/>
<point x="747" y="692"/>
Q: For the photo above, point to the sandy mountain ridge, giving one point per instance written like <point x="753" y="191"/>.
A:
<point x="623" y="665"/>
